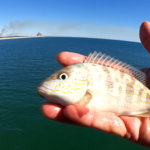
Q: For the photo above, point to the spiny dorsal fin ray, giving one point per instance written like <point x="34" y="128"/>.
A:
<point x="106" y="60"/>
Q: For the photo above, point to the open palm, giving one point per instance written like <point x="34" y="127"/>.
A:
<point x="136" y="129"/>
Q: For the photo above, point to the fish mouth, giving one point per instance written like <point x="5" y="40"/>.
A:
<point x="42" y="92"/>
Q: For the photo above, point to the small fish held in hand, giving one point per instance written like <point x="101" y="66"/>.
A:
<point x="102" y="82"/>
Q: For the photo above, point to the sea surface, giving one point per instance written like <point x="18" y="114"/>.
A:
<point x="24" y="63"/>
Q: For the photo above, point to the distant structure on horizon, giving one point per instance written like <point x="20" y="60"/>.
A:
<point x="39" y="34"/>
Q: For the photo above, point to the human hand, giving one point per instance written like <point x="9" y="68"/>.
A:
<point x="136" y="129"/>
<point x="145" y="39"/>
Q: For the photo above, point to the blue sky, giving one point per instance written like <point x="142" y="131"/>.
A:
<point x="110" y="19"/>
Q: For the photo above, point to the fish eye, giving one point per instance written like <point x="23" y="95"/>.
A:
<point x="63" y="76"/>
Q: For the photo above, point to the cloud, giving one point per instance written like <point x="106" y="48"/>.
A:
<point x="16" y="27"/>
<point x="73" y="29"/>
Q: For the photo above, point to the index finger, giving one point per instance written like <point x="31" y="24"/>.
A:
<point x="70" y="58"/>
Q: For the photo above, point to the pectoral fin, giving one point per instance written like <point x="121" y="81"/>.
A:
<point x="86" y="98"/>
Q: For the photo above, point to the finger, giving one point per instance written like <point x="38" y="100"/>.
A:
<point x="133" y="125"/>
<point x="54" y="111"/>
<point x="144" y="135"/>
<point x="69" y="58"/>
<point x="145" y="35"/>
<point x="79" y="114"/>
<point x="104" y="121"/>
<point x="135" y="129"/>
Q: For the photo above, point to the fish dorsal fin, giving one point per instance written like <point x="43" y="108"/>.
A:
<point x="106" y="60"/>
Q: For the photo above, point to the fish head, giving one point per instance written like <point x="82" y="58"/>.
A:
<point x="66" y="86"/>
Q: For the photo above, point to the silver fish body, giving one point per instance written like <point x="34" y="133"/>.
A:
<point x="100" y="86"/>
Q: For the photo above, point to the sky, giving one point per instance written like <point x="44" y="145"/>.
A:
<point x="109" y="19"/>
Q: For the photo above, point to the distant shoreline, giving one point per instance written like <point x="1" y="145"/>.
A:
<point x="17" y="37"/>
<point x="21" y="37"/>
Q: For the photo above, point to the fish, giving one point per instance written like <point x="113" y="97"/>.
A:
<point x="102" y="82"/>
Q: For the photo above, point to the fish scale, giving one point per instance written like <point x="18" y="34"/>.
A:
<point x="102" y="83"/>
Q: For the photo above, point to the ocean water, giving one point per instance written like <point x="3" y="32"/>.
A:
<point x="24" y="63"/>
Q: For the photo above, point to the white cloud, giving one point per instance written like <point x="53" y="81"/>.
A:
<point x="73" y="29"/>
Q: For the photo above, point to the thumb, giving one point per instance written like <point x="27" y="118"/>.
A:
<point x="144" y="34"/>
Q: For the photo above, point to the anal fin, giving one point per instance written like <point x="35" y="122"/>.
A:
<point x="145" y="114"/>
